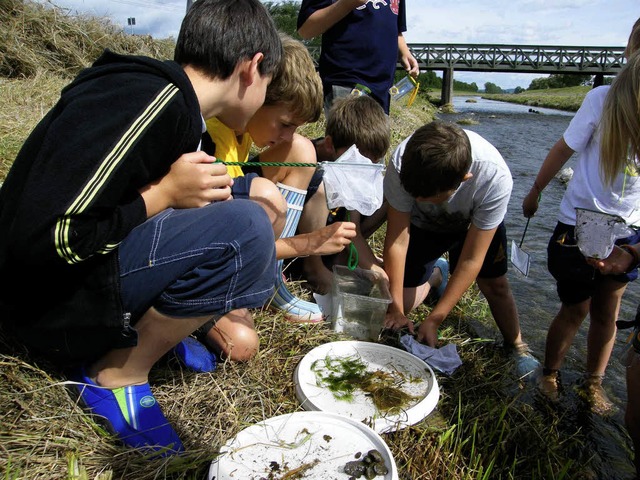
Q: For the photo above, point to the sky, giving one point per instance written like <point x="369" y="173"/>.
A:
<point x="587" y="23"/>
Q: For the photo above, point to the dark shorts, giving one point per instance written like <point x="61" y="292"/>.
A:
<point x="576" y="280"/>
<point x="242" y="186"/>
<point x="426" y="247"/>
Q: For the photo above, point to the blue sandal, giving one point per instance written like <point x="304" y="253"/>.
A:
<point x="131" y="413"/>
<point x="443" y="265"/>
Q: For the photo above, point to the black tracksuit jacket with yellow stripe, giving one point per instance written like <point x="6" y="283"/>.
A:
<point x="71" y="197"/>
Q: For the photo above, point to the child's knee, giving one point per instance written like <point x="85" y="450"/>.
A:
<point x="267" y="194"/>
<point x="243" y="347"/>
<point x="494" y="287"/>
<point x="234" y="336"/>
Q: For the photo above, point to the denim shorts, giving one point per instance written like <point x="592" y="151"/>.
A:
<point x="199" y="261"/>
<point x="425" y="247"/>
<point x="576" y="280"/>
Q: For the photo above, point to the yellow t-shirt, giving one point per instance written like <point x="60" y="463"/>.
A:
<point x="229" y="147"/>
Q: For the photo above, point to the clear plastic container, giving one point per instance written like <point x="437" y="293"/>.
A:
<point x="401" y="88"/>
<point x="360" y="302"/>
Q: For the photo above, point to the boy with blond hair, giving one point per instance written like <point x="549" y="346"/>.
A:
<point x="293" y="98"/>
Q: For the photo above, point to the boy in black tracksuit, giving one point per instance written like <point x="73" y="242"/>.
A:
<point x="112" y="219"/>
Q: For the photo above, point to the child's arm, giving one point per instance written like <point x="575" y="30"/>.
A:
<point x="194" y="180"/>
<point x="366" y="258"/>
<point x="556" y="158"/>
<point x="408" y="61"/>
<point x="396" y="243"/>
<point x="324" y="241"/>
<point x="471" y="259"/>
<point x="323" y="19"/>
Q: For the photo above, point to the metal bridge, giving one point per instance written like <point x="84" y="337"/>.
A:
<point x="598" y="61"/>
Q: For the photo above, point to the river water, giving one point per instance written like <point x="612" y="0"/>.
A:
<point x="524" y="138"/>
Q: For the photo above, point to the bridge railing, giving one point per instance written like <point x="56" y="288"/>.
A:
<point x="522" y="58"/>
<point x="515" y="58"/>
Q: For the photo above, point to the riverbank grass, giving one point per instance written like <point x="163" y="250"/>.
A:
<point x="567" y="99"/>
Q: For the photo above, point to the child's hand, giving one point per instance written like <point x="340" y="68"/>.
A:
<point x="428" y="332"/>
<point x="619" y="261"/>
<point x="397" y="321"/>
<point x="333" y="238"/>
<point x="195" y="181"/>
<point x="530" y="203"/>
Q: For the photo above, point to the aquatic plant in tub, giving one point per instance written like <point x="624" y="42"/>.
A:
<point x="360" y="302"/>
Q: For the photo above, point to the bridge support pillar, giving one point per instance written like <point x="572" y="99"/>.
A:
<point x="447" y="86"/>
<point x="598" y="80"/>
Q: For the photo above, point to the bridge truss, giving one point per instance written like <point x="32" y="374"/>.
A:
<point x="519" y="58"/>
<point x="598" y="61"/>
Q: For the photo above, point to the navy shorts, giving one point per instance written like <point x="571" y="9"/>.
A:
<point x="242" y="186"/>
<point x="426" y="247"/>
<point x="576" y="280"/>
<point x="199" y="261"/>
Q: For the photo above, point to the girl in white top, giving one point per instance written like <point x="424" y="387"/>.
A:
<point x="621" y="134"/>
<point x="602" y="186"/>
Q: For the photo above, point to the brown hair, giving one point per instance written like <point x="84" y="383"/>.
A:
<point x="436" y="159"/>
<point x="620" y="122"/>
<point x="633" y="44"/>
<point x="360" y="121"/>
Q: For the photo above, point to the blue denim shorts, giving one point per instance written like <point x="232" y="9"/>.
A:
<point x="576" y="280"/>
<point x="199" y="261"/>
<point x="426" y="247"/>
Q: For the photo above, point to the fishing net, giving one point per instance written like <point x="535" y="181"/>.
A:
<point x="353" y="182"/>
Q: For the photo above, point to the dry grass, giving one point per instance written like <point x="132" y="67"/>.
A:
<point x="39" y="38"/>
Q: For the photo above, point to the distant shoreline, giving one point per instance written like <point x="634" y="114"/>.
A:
<point x="567" y="99"/>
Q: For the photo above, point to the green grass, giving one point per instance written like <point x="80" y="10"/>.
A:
<point x="568" y="99"/>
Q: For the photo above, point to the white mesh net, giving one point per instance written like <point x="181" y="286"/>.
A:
<point x="354" y="182"/>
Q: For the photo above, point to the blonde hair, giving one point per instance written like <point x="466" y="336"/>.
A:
<point x="296" y="84"/>
<point x="359" y="120"/>
<point x="620" y="122"/>
<point x="633" y="44"/>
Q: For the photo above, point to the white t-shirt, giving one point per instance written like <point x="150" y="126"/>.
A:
<point x="481" y="200"/>
<point x="586" y="188"/>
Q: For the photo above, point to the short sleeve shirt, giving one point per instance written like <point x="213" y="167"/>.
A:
<point x="481" y="200"/>
<point x="362" y="47"/>
<point x="229" y="147"/>
<point x="586" y="188"/>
